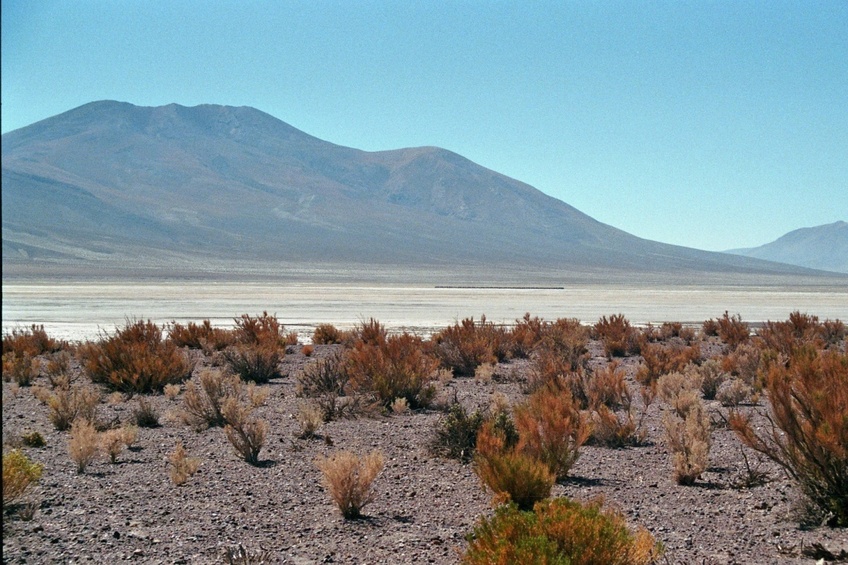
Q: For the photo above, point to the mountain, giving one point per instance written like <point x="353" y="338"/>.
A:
<point x="820" y="247"/>
<point x="110" y="184"/>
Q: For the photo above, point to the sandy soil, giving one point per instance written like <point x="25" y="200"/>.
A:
<point x="424" y="505"/>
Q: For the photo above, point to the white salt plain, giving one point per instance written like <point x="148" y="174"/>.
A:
<point x="83" y="310"/>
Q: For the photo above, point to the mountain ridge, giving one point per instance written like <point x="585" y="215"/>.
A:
<point x="113" y="183"/>
<point x="822" y="247"/>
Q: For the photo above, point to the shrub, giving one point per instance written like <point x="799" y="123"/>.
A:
<point x="567" y="338"/>
<point x="65" y="406"/>
<point x="171" y="391"/>
<point x="678" y="391"/>
<point x="551" y="428"/>
<point x="112" y="443"/>
<point x="58" y="368"/>
<point x="510" y="474"/>
<point x="84" y="444"/>
<point x="257" y="362"/>
<point x="327" y="334"/>
<point x="560" y="531"/>
<point x="326" y="381"/>
<point x="33" y="439"/>
<point x="732" y="330"/>
<point x="30" y="341"/>
<point x="19" y="475"/>
<point x="550" y="368"/>
<point x="662" y="359"/>
<point x="260" y="330"/>
<point x="689" y="441"/>
<point x="733" y="392"/>
<point x="181" y="466"/>
<point x="606" y="387"/>
<point x="466" y="345"/>
<point x="709" y="377"/>
<point x="524" y="336"/>
<point x="202" y="336"/>
<point x="135" y="360"/>
<point x="310" y="417"/>
<point x="807" y="431"/>
<point x="371" y="332"/>
<point x="21" y="369"/>
<point x="145" y="415"/>
<point x="348" y="477"/>
<point x="204" y="398"/>
<point x="744" y="362"/>
<point x="455" y="434"/>
<point x="618" y="337"/>
<point x="710" y="327"/>
<point x="611" y="430"/>
<point x="246" y="434"/>
<point x="397" y="368"/>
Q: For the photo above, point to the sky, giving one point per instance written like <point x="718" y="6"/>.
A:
<point x="707" y="124"/>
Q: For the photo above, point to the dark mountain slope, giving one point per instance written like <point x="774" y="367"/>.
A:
<point x="113" y="183"/>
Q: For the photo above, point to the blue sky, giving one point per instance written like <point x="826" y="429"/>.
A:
<point x="709" y="124"/>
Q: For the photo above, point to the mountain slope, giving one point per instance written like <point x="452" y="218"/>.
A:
<point x="821" y="247"/>
<point x="110" y="183"/>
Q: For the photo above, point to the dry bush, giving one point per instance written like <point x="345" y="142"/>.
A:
<point x="238" y="555"/>
<point x="511" y="474"/>
<point x="679" y="392"/>
<point x="606" y="387"/>
<point x="257" y="395"/>
<point x="566" y="338"/>
<point x="734" y="392"/>
<point x="560" y="531"/>
<point x="548" y="367"/>
<point x="171" y="391"/>
<point x="326" y="381"/>
<point x="466" y="345"/>
<point x="400" y="406"/>
<point x="20" y="369"/>
<point x="33" y="439"/>
<point x="328" y="334"/>
<point x="135" y="359"/>
<point x="307" y="350"/>
<point x="145" y="415"/>
<point x="371" y="332"/>
<point x="310" y="417"/>
<point x="525" y="335"/>
<point x="455" y="434"/>
<point x="204" y="398"/>
<point x="617" y="335"/>
<point x="112" y="442"/>
<point x="744" y="362"/>
<point x="58" y="369"/>
<point x="260" y="330"/>
<point x="833" y="332"/>
<point x="30" y="341"/>
<point x="245" y="433"/>
<point x="181" y="466"/>
<point x="84" y="444"/>
<point x="19" y="475"/>
<point x="551" y="428"/>
<point x="689" y="441"/>
<point x="659" y="359"/>
<point x="732" y="330"/>
<point x="397" y="368"/>
<point x="348" y="478"/>
<point x="806" y="430"/>
<point x="615" y="430"/>
<point x="710" y="328"/>
<point x="65" y="406"/>
<point x="485" y="372"/>
<point x="709" y="377"/>
<point x="257" y="362"/>
<point x="203" y="336"/>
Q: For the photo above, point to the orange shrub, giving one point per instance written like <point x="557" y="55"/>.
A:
<point x="662" y="359"/>
<point x="397" y="368"/>
<point x="619" y="338"/>
<point x="732" y="330"/>
<point x="202" y="336"/>
<point x="466" y="345"/>
<point x="327" y="334"/>
<point x="261" y="330"/>
<point x="807" y="430"/>
<point x="135" y="359"/>
<point x="512" y="475"/>
<point x="551" y="428"/>
<point x="30" y="341"/>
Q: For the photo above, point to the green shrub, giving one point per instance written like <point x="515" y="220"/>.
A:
<point x="807" y="430"/>
<point x="135" y="360"/>
<point x="455" y="435"/>
<point x="559" y="531"/>
<point x="19" y="474"/>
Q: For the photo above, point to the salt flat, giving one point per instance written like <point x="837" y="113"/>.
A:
<point x="79" y="310"/>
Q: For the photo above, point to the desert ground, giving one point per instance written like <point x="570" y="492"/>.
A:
<point x="742" y="509"/>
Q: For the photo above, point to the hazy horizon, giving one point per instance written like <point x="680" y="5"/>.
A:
<point x="712" y="126"/>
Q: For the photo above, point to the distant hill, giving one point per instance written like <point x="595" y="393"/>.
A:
<point x="169" y="188"/>
<point x="820" y="247"/>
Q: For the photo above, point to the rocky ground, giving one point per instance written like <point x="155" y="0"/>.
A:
<point x="423" y="508"/>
